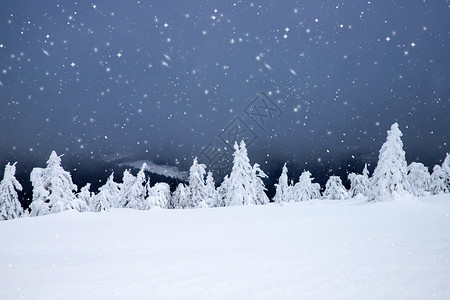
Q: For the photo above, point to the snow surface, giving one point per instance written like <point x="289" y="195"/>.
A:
<point x="321" y="249"/>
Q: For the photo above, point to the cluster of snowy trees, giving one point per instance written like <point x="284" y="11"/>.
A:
<point x="392" y="178"/>
<point x="54" y="191"/>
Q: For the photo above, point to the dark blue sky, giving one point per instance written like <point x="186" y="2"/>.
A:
<point x="159" y="80"/>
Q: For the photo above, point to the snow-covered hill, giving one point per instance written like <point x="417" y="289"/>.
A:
<point x="310" y="250"/>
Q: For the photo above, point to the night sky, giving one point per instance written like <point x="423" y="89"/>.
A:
<point x="105" y="81"/>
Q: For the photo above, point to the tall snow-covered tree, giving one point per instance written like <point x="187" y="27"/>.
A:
<point x="53" y="189"/>
<point x="212" y="197"/>
<point x="159" y="196"/>
<point x="181" y="197"/>
<point x="438" y="183"/>
<point x="282" y="187"/>
<point x="305" y="189"/>
<point x="107" y="194"/>
<point x="390" y="176"/>
<point x="10" y="207"/>
<point x="86" y="197"/>
<point x="197" y="185"/>
<point x="419" y="179"/>
<point x="244" y="185"/>
<point x="359" y="183"/>
<point x="135" y="194"/>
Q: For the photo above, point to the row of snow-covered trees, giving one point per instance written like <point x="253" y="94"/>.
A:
<point x="54" y="191"/>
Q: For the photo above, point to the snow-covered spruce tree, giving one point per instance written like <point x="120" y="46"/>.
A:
<point x="334" y="190"/>
<point x="305" y="189"/>
<point x="359" y="184"/>
<point x="390" y="176"/>
<point x="159" y="196"/>
<point x="86" y="196"/>
<point x="282" y="187"/>
<point x="446" y="168"/>
<point x="244" y="185"/>
<point x="438" y="183"/>
<point x="52" y="188"/>
<point x="10" y="207"/>
<point x="180" y="197"/>
<point x="212" y="197"/>
<point x="107" y="194"/>
<point x="222" y="191"/>
<point x="419" y="179"/>
<point x="197" y="185"/>
<point x="136" y="191"/>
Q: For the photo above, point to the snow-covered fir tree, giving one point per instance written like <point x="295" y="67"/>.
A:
<point x="446" y="168"/>
<point x="222" y="191"/>
<point x="244" y="185"/>
<point x="136" y="191"/>
<point x="53" y="189"/>
<point x="159" y="196"/>
<point x="86" y="196"/>
<point x="419" y="179"/>
<point x="10" y="207"/>
<point x="390" y="176"/>
<point x="282" y="187"/>
<point x="438" y="183"/>
<point x="212" y="197"/>
<point x="334" y="190"/>
<point x="197" y="185"/>
<point x="107" y="194"/>
<point x="181" y="197"/>
<point x="359" y="183"/>
<point x="305" y="189"/>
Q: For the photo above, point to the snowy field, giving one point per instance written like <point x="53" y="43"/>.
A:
<point x="310" y="250"/>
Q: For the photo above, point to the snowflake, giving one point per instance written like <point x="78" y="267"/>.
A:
<point x="72" y="64"/>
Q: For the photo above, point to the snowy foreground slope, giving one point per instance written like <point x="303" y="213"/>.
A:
<point x="309" y="250"/>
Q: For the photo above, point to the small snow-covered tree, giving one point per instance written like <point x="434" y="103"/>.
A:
<point x="53" y="189"/>
<point x="86" y="196"/>
<point x="305" y="189"/>
<point x="135" y="194"/>
<point x="197" y="185"/>
<point x="180" y="197"/>
<point x="282" y="187"/>
<point x="437" y="181"/>
<point x="244" y="185"/>
<point x="108" y="193"/>
<point x="159" y="196"/>
<point x="390" y="176"/>
<point x="212" y="197"/>
<point x="359" y="184"/>
<point x="419" y="179"/>
<point x="10" y="207"/>
<point x="334" y="190"/>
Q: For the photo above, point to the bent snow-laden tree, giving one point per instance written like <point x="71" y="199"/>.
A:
<point x="134" y="190"/>
<point x="10" y="207"/>
<point x="159" y="196"/>
<point x="390" y="176"/>
<point x="107" y="194"/>
<point x="305" y="189"/>
<point x="244" y="185"/>
<point x="212" y="197"/>
<point x="359" y="183"/>
<point x="334" y="190"/>
<point x="86" y="197"/>
<point x="419" y="179"/>
<point x="53" y="189"/>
